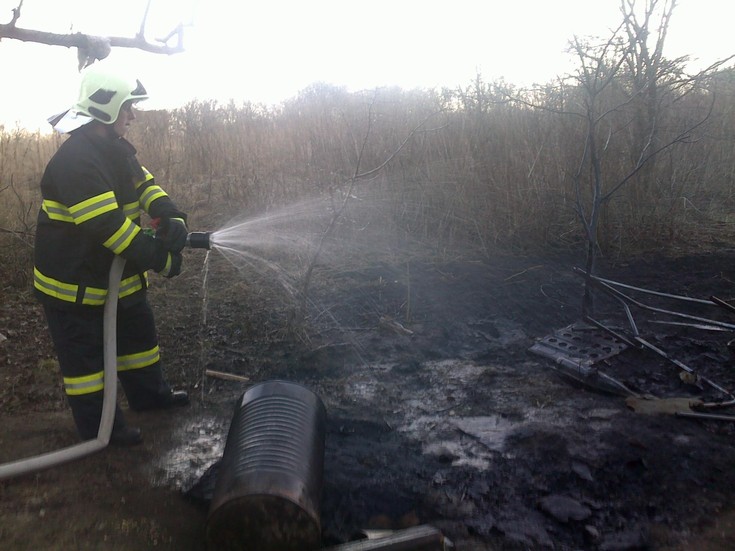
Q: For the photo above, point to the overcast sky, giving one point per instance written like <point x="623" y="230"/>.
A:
<point x="266" y="51"/>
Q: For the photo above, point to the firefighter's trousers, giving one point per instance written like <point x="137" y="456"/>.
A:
<point x="78" y="340"/>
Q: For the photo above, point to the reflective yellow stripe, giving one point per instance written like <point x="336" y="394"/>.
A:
<point x="97" y="297"/>
<point x="167" y="268"/>
<point x="151" y="194"/>
<point x="75" y="386"/>
<point x="139" y="360"/>
<point x="94" y="206"/>
<point x="56" y="211"/>
<point x="54" y="288"/>
<point x="148" y="178"/>
<point x="93" y="296"/>
<point x="120" y="240"/>
<point x="130" y="285"/>
<point x="132" y="210"/>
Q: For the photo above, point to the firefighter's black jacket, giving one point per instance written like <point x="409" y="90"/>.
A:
<point x="93" y="191"/>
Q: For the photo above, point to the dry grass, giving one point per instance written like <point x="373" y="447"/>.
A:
<point x="476" y="172"/>
<point x="23" y="156"/>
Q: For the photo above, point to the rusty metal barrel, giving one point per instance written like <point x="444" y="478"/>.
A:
<point x="268" y="491"/>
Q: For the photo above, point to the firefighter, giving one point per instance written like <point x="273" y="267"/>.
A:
<point x="94" y="191"/>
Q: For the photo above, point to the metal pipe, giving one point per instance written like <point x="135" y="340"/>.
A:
<point x="418" y="538"/>
<point x="705" y="416"/>
<point x="64" y="455"/>
<point x="615" y="292"/>
<point x="590" y="377"/>
<point x="649" y="291"/>
<point x="611" y="331"/>
<point x="693" y="326"/>
<point x="683" y="366"/>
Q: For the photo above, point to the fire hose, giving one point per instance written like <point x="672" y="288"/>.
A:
<point x="195" y="240"/>
<point x="64" y="455"/>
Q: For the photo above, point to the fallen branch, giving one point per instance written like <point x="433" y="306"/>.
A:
<point x="393" y="325"/>
<point x="226" y="376"/>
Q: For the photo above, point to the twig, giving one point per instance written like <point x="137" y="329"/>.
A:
<point x="523" y="272"/>
<point x="141" y="32"/>
<point x="408" y="293"/>
<point x="16" y="13"/>
<point x="392" y="324"/>
<point x="226" y="376"/>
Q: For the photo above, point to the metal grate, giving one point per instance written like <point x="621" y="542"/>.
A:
<point x="580" y="343"/>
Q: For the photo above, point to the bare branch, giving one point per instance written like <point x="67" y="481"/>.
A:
<point x="81" y="40"/>
<point x="92" y="48"/>
<point x="177" y="31"/>
<point x="646" y="156"/>
<point x="141" y="32"/>
<point x="16" y="13"/>
<point x="380" y="167"/>
<point x="522" y="101"/>
<point x="578" y="188"/>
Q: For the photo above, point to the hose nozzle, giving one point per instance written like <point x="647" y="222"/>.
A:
<point x="198" y="240"/>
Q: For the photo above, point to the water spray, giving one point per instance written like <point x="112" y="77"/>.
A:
<point x="199" y="240"/>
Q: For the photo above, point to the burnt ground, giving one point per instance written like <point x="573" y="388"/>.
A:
<point x="437" y="412"/>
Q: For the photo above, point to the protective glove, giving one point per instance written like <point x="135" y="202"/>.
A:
<point x="173" y="265"/>
<point x="173" y="232"/>
<point x="167" y="263"/>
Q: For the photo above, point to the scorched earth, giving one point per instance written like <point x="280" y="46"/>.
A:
<point x="436" y="411"/>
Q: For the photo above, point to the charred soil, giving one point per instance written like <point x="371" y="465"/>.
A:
<point x="437" y="412"/>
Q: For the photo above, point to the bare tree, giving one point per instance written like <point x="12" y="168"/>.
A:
<point x="92" y="48"/>
<point x="629" y="75"/>
<point x="622" y="93"/>
<point x="622" y="90"/>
